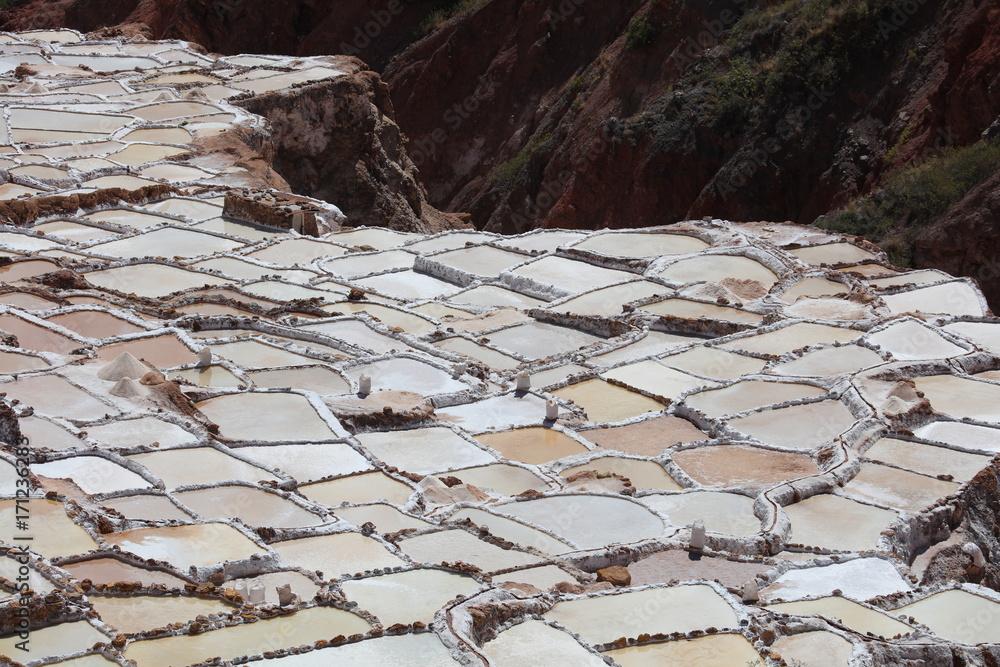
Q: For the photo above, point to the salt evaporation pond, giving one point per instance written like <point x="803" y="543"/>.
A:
<point x="759" y="380"/>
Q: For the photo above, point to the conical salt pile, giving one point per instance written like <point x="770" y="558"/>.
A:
<point x="127" y="388"/>
<point x="125" y="366"/>
<point x="165" y="96"/>
<point x="36" y="88"/>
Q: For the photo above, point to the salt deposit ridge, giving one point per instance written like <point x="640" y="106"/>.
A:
<point x="710" y="443"/>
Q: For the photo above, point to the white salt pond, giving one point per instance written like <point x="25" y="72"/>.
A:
<point x="277" y="416"/>
<point x="833" y="522"/>
<point x="337" y="554"/>
<point x="855" y="616"/>
<point x="858" y="579"/>
<point x="458" y="545"/>
<point x="406" y="597"/>
<point x="605" y="618"/>
<point x="424" y="450"/>
<point x="723" y="650"/>
<point x="183" y="546"/>
<point x="957" y="615"/>
<point x="532" y="642"/>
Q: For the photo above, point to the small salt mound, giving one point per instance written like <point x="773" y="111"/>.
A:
<point x="36" y="88"/>
<point x="124" y="366"/>
<point x="127" y="388"/>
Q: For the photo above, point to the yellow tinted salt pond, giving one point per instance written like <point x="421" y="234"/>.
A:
<point x="276" y="416"/>
<point x="145" y="612"/>
<point x="833" y="522"/>
<point x="406" y="597"/>
<point x="364" y="488"/>
<point x="302" y="627"/>
<point x="957" y="615"/>
<point x="604" y="402"/>
<point x="54" y="640"/>
<point x="53" y="533"/>
<point x="533" y="445"/>
<point x="586" y="520"/>
<point x="184" y="546"/>
<point x="853" y="615"/>
<point x="337" y="554"/>
<point x="675" y="609"/>
<point x="725" y="650"/>
<point x="533" y="642"/>
<point x="793" y="337"/>
<point x="642" y="474"/>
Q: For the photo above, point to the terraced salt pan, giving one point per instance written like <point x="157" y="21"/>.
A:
<point x="910" y="340"/>
<point x="138" y="432"/>
<point x="721" y="512"/>
<point x="896" y="488"/>
<point x="851" y="614"/>
<point x="818" y="648"/>
<point x="304" y="627"/>
<point x="147" y="507"/>
<point x="961" y="397"/>
<point x="134" y="614"/>
<point x="957" y="615"/>
<point x="741" y="465"/>
<point x="334" y="555"/>
<point x="359" y="334"/>
<point x="961" y="435"/>
<point x="406" y="597"/>
<point x="493" y="296"/>
<point x="641" y="244"/>
<point x="412" y="324"/>
<point x="830" y="361"/>
<point x="185" y="546"/>
<point x="360" y="265"/>
<point x="710" y="651"/>
<point x="151" y="280"/>
<point x="423" y="450"/>
<point x="126" y="218"/>
<point x="53" y="533"/>
<point x="503" y="411"/>
<point x="654" y="377"/>
<point x="110" y="570"/>
<point x="534" y="642"/>
<point x="792" y="337"/>
<point x="452" y="545"/>
<point x="927" y="459"/>
<point x="492" y="358"/>
<point x="804" y="426"/>
<point x="954" y="298"/>
<point x="385" y="518"/>
<point x="537" y="340"/>
<point x="95" y="324"/>
<point x="570" y="275"/>
<point x="15" y="362"/>
<point x="590" y="521"/>
<point x="198" y="465"/>
<point x="747" y="395"/>
<point x="365" y="488"/>
<point x="279" y="417"/>
<point x="608" y="301"/>
<point x="834" y="522"/>
<point x="93" y="474"/>
<point x="251" y="505"/>
<point x="55" y="640"/>
<point x="832" y="253"/>
<point x="858" y="579"/>
<point x="687" y="309"/>
<point x="159" y="351"/>
<point x="683" y="609"/>
<point x="604" y="402"/>
<point x="715" y="268"/>
<point x="541" y="241"/>
<point x="209" y="376"/>
<point x="653" y="343"/>
<point x="309" y="378"/>
<point x="535" y="445"/>
<point x="643" y="474"/>
<point x="479" y="260"/>
<point x="649" y="437"/>
<point x="415" y="650"/>
<point x="52" y="395"/>
<point x="308" y="462"/>
<point x="252" y="354"/>
<point x="514" y="531"/>
<point x="34" y="337"/>
<point x="985" y="335"/>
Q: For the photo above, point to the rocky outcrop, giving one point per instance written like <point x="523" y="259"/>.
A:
<point x="338" y="141"/>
